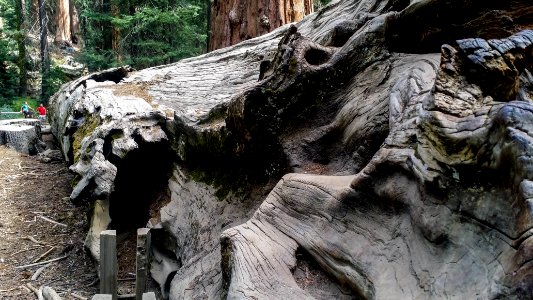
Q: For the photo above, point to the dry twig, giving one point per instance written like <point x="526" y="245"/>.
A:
<point x="41" y="263"/>
<point x="43" y="255"/>
<point x="18" y="252"/>
<point x="38" y="292"/>
<point x="52" y="221"/>
<point x="30" y="238"/>
<point x="27" y="290"/>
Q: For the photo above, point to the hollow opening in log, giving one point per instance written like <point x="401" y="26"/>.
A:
<point x="141" y="176"/>
<point x="311" y="278"/>
<point x="316" y="57"/>
<point x="341" y="34"/>
<point x="116" y="75"/>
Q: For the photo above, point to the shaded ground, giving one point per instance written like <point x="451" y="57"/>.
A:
<point x="30" y="190"/>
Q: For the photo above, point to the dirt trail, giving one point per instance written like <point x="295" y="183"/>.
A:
<point x="30" y="192"/>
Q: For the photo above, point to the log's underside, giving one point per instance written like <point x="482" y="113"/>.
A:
<point x="383" y="147"/>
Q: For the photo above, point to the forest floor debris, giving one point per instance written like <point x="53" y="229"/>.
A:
<point x="32" y="194"/>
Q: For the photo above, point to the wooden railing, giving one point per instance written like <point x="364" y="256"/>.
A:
<point x="109" y="268"/>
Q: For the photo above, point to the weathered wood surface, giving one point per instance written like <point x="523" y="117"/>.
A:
<point x="149" y="296"/>
<point x="144" y="244"/>
<point x="409" y="162"/>
<point x="50" y="294"/>
<point x="108" y="263"/>
<point x="102" y="297"/>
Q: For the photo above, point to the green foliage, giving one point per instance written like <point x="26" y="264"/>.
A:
<point x="318" y="4"/>
<point x="97" y="59"/>
<point x="8" y="53"/>
<point x="142" y="33"/>
<point x="56" y="78"/>
<point x="8" y="74"/>
<point x="17" y="103"/>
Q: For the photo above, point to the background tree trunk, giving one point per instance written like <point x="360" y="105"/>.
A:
<point x="45" y="62"/>
<point x="33" y="17"/>
<point x="21" y="35"/>
<point x="107" y="31"/>
<point x="74" y="23"/>
<point x="63" y="21"/>
<point x="116" y="36"/>
<point x="238" y="20"/>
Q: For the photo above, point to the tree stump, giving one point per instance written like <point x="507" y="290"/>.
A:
<point x="21" y="135"/>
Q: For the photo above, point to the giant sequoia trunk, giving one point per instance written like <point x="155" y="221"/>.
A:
<point x="62" y="21"/>
<point x="238" y="20"/>
<point x="406" y="128"/>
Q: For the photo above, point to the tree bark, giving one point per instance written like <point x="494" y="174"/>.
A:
<point x="238" y="20"/>
<point x="34" y="14"/>
<point x="74" y="23"/>
<point x="62" y="21"/>
<point x="409" y="163"/>
<point x="21" y="44"/>
<point x="107" y="27"/>
<point x="45" y="60"/>
<point x="116" y="34"/>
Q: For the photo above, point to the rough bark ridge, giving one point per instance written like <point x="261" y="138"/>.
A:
<point x="63" y="21"/>
<point x="410" y="168"/>
<point x="235" y="21"/>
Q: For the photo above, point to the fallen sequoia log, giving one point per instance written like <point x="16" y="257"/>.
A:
<point x="23" y="135"/>
<point x="407" y="130"/>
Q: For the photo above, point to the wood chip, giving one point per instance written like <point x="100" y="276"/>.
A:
<point x="38" y="272"/>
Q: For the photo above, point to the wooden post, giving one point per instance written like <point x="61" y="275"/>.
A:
<point x="143" y="261"/>
<point x="149" y="296"/>
<point x="102" y="297"/>
<point x="108" y="263"/>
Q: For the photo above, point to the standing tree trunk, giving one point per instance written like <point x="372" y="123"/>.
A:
<point x="238" y="20"/>
<point x="21" y="35"/>
<point x="115" y="33"/>
<point x="34" y="15"/>
<point x="63" y="21"/>
<point x="107" y="31"/>
<point x="74" y="23"/>
<point x="45" y="63"/>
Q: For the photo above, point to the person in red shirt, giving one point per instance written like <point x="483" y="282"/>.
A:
<point x="42" y="112"/>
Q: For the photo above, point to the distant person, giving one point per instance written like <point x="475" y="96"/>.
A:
<point x="42" y="112"/>
<point x="25" y="109"/>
